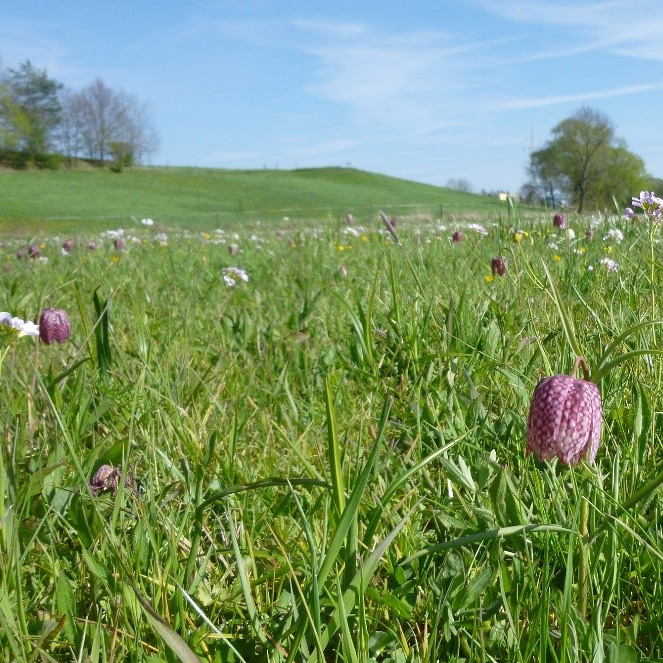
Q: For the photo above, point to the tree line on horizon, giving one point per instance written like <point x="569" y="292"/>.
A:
<point x="43" y="122"/>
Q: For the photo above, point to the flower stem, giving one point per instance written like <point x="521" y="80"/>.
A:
<point x="580" y="361"/>
<point x="583" y="577"/>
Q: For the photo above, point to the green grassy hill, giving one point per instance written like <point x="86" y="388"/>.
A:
<point x="202" y="197"/>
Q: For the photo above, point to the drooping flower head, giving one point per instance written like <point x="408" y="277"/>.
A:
<point x="565" y="418"/>
<point x="498" y="266"/>
<point x="559" y="220"/>
<point x="457" y="237"/>
<point x="54" y="325"/>
<point x="107" y="478"/>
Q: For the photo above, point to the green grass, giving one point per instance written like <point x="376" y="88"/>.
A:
<point x="330" y="457"/>
<point x="195" y="197"/>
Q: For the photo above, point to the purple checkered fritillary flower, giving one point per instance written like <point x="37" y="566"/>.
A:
<point x="498" y="266"/>
<point x="559" y="220"/>
<point x="565" y="418"/>
<point x="54" y="325"/>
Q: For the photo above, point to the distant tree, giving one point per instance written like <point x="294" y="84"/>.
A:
<point x="624" y="178"/>
<point x="545" y="183"/>
<point x="461" y="184"/>
<point x="70" y="132"/>
<point x="585" y="162"/>
<point x="31" y="108"/>
<point x="13" y="123"/>
<point x="112" y="125"/>
<point x="656" y="185"/>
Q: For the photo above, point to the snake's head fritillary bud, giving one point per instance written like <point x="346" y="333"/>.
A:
<point x="498" y="266"/>
<point x="565" y="418"/>
<point x="118" y="243"/>
<point x="54" y="325"/>
<point x="457" y="237"/>
<point x="68" y="245"/>
<point x="107" y="478"/>
<point x="559" y="220"/>
<point x="34" y="251"/>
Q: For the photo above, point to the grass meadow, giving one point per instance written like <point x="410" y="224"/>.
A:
<point x="326" y="462"/>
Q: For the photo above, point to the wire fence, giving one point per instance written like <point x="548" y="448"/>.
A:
<point x="359" y="214"/>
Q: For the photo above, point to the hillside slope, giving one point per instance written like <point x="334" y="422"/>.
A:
<point x="187" y="195"/>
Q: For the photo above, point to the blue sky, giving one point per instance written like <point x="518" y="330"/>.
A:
<point x="426" y="91"/>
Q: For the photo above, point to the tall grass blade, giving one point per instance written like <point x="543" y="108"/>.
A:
<point x="355" y="592"/>
<point x="167" y="634"/>
<point x="564" y="317"/>
<point x="334" y="452"/>
<point x="254" y="617"/>
<point x="101" y="333"/>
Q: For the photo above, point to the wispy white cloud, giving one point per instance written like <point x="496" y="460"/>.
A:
<point x="554" y="100"/>
<point x="626" y="27"/>
<point x="397" y="81"/>
<point x="17" y="40"/>
<point x="330" y="29"/>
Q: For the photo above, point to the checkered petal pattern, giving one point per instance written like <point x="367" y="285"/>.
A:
<point x="565" y="420"/>
<point x="54" y="325"/>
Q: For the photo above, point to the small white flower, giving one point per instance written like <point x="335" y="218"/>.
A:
<point x="610" y="264"/>
<point x="614" y="235"/>
<point x="23" y="327"/>
<point x="570" y="234"/>
<point x="148" y="222"/>
<point x="233" y="274"/>
<point x="113" y="234"/>
<point x="477" y="228"/>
